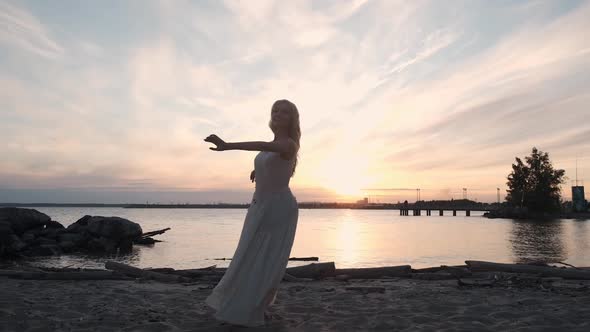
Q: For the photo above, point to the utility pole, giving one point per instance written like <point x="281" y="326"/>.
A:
<point x="576" y="171"/>
<point x="464" y="193"/>
<point x="417" y="194"/>
<point x="498" y="190"/>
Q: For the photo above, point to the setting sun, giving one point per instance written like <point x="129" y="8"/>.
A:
<point x="345" y="176"/>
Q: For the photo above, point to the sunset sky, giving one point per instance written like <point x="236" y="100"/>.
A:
<point x="109" y="101"/>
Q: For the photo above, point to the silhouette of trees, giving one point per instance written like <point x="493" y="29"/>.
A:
<point x="534" y="184"/>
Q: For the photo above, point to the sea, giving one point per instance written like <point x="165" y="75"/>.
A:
<point x="351" y="238"/>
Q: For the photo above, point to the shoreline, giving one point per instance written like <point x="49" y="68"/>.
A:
<point x="488" y="211"/>
<point x="481" y="207"/>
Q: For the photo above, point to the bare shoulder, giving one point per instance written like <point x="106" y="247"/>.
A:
<point x="292" y="148"/>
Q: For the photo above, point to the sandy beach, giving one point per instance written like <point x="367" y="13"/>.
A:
<point x="393" y="304"/>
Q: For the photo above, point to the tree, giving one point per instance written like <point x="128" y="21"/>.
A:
<point x="535" y="185"/>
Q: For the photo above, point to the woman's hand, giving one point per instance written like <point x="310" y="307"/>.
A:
<point x="252" y="176"/>
<point x="220" y="145"/>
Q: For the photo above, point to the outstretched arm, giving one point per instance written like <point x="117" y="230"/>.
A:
<point x="285" y="146"/>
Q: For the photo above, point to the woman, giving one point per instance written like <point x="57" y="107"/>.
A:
<point x="251" y="281"/>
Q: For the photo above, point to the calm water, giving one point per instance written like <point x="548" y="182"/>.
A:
<point x="350" y="238"/>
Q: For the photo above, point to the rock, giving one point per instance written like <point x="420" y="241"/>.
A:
<point x="54" y="224"/>
<point x="67" y="246"/>
<point x="35" y="234"/>
<point x="16" y="244"/>
<point x="46" y="241"/>
<point x="125" y="246"/>
<point x="22" y="220"/>
<point x="366" y="289"/>
<point x="145" y="240"/>
<point x="44" y="250"/>
<point x="76" y="239"/>
<point x="476" y="282"/>
<point x="5" y="238"/>
<point x="5" y="226"/>
<point x="28" y="237"/>
<point x="80" y="225"/>
<point x="10" y="243"/>
<point x="114" y="228"/>
<point x="35" y="231"/>
<point x="102" y="244"/>
<point x="433" y="276"/>
<point x="342" y="277"/>
<point x="102" y="234"/>
<point x="52" y="232"/>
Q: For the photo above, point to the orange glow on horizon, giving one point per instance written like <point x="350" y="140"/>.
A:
<point x="345" y="175"/>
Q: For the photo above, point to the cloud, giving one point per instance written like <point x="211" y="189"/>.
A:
<point x="433" y="43"/>
<point x="404" y="94"/>
<point x="19" y="28"/>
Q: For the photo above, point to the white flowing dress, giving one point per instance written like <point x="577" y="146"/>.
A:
<point x="250" y="283"/>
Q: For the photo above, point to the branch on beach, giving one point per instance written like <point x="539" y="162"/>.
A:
<point x="566" y="264"/>
<point x="308" y="272"/>
<point x="456" y="271"/>
<point x="139" y="273"/>
<point x="146" y="238"/>
<point x="154" y="233"/>
<point x="82" y="275"/>
<point x="479" y="266"/>
<point x="313" y="271"/>
<point x="192" y="273"/>
<point x="290" y="278"/>
<point x="541" y="275"/>
<point x="314" y="259"/>
<point x="376" y="272"/>
<point x="145" y="241"/>
<point x="476" y="282"/>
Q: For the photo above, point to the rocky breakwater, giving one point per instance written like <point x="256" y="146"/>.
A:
<point x="28" y="232"/>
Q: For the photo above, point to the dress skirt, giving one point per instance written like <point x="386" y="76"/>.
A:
<point x="251" y="281"/>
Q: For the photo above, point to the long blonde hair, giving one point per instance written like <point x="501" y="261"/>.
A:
<point x="294" y="129"/>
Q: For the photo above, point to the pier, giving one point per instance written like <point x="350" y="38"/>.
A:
<point x="441" y="211"/>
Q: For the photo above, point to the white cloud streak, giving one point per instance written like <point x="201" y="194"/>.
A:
<point x="21" y="29"/>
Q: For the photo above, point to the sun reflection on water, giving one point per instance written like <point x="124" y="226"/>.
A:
<point x="348" y="239"/>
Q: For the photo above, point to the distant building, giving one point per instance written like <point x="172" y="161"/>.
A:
<point x="363" y="201"/>
<point x="579" y="203"/>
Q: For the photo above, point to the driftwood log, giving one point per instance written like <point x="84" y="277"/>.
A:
<point x="191" y="273"/>
<point x="145" y="241"/>
<point x="366" y="289"/>
<point x="314" y="259"/>
<point x="434" y="276"/>
<point x="140" y="273"/>
<point x="153" y="233"/>
<point x="299" y="273"/>
<point x="457" y="271"/>
<point x="146" y="238"/>
<point x="314" y="270"/>
<point x="442" y="268"/>
<point x="290" y="278"/>
<point x="82" y="275"/>
<point x="376" y="272"/>
<point x="310" y="271"/>
<point x="479" y="266"/>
